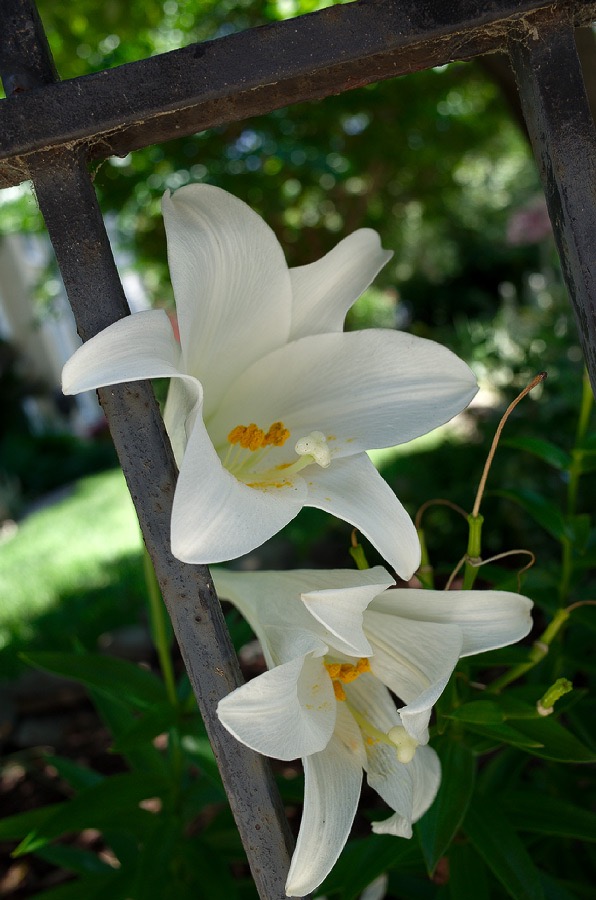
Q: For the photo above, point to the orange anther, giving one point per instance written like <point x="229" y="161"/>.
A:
<point x="338" y="690"/>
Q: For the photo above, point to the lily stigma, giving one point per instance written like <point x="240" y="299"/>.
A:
<point x="271" y="406"/>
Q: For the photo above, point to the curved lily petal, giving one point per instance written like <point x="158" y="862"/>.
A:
<point x="487" y="619"/>
<point x="340" y="609"/>
<point x="413" y="791"/>
<point x="134" y="348"/>
<point x="415" y="660"/>
<point x="215" y="517"/>
<point x="325" y="290"/>
<point x="332" y="788"/>
<point x="331" y="610"/>
<point x="364" y="389"/>
<point x="231" y="283"/>
<point x="286" y="712"/>
<point x="353" y="490"/>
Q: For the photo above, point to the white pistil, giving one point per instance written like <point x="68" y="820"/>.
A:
<point x="405" y="744"/>
<point x="315" y="446"/>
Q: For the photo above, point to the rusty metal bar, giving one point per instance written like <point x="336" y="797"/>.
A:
<point x="563" y="136"/>
<point x="253" y="72"/>
<point x="76" y="228"/>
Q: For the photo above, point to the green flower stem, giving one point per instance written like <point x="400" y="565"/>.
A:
<point x="357" y="553"/>
<point x="575" y="472"/>
<point x="425" y="572"/>
<point x="474" y="551"/>
<point x="159" y="628"/>
<point x="537" y="653"/>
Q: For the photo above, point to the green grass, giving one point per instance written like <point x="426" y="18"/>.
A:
<point x="72" y="571"/>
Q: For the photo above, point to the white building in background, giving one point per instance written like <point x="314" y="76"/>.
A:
<point x="46" y="338"/>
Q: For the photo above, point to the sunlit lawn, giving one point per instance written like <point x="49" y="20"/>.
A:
<point x="72" y="571"/>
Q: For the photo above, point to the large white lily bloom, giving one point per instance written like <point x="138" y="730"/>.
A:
<point x="271" y="407"/>
<point x="335" y="642"/>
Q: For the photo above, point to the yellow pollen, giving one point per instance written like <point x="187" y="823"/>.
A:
<point x="347" y="672"/>
<point x="251" y="437"/>
<point x="277" y="434"/>
<point x="338" y="690"/>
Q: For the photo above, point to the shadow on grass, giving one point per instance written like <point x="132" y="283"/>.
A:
<point x="79" y="616"/>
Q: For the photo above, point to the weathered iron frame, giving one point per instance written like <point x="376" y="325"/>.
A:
<point x="51" y="129"/>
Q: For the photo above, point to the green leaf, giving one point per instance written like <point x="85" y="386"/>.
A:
<point x="477" y="711"/>
<point x="540" y="814"/>
<point x="467" y="874"/>
<point x="544" y="450"/>
<point x="74" y="859"/>
<point x="505" y="734"/>
<point x="363" y="860"/>
<point x="117" y="678"/>
<point x="14" y="828"/>
<point x="548" y="515"/>
<point x="440" y="824"/>
<point x="557" y="742"/>
<point x="502" y="851"/>
<point x="146" y="727"/>
<point x="97" y="887"/>
<point x="115" y="800"/>
<point x="78" y="777"/>
<point x="116" y="715"/>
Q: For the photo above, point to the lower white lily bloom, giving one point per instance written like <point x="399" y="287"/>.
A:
<point x="271" y="407"/>
<point x="335" y="642"/>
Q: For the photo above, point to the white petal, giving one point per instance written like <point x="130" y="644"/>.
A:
<point x="340" y="609"/>
<point x="415" y="660"/>
<point x="487" y="619"/>
<point x="363" y="390"/>
<point x="231" y="283"/>
<point x="215" y="517"/>
<point x="136" y="347"/>
<point x="180" y="413"/>
<point x="415" y="789"/>
<point x="332" y="788"/>
<point x="271" y="601"/>
<point x="353" y="490"/>
<point x="286" y="712"/>
<point x="324" y="291"/>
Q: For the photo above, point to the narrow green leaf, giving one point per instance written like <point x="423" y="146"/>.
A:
<point x="74" y="859"/>
<point x="116" y="799"/>
<point x="548" y="515"/>
<point x="440" y="824"/>
<point x="118" y="678"/>
<point x="544" y="450"/>
<point x="540" y="814"/>
<point x="14" y="828"/>
<point x="146" y="727"/>
<point x="96" y="887"/>
<point x="502" y="851"/>
<point x="117" y="716"/>
<point x="478" y="711"/>
<point x="468" y="878"/>
<point x="557" y="743"/>
<point x="505" y="734"/>
<point x="363" y="860"/>
<point x="78" y="777"/>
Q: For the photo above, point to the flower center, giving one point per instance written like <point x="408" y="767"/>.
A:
<point x="344" y="673"/>
<point x="397" y="737"/>
<point x="249" y="445"/>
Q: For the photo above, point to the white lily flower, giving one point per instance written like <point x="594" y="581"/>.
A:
<point x="336" y="643"/>
<point x="271" y="407"/>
